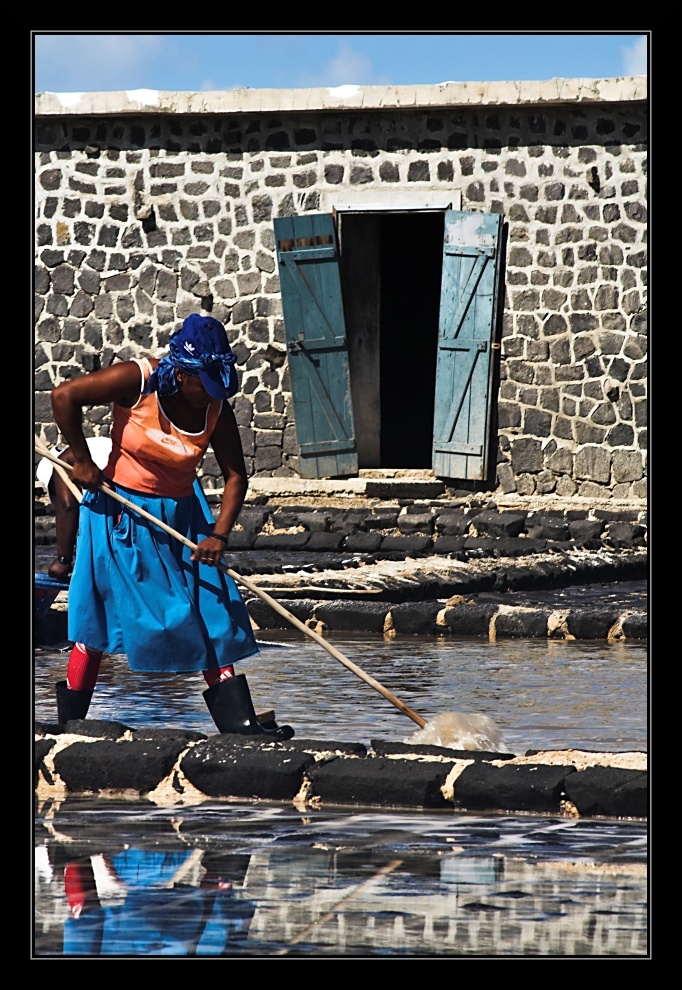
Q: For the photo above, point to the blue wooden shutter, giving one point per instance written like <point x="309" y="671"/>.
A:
<point x="308" y="262"/>
<point x="468" y="313"/>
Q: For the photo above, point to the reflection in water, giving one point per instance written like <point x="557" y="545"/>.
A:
<point x="141" y="902"/>
<point x="231" y="879"/>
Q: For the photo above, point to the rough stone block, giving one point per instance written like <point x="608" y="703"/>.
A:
<point x="324" y="541"/>
<point x="582" y="530"/>
<point x="448" y="544"/>
<point x="415" y="522"/>
<point x="266" y="617"/>
<point x="313" y="519"/>
<point x="470" y="620"/>
<point x="346" y="521"/>
<point x="362" y="542"/>
<point x="452" y="523"/>
<point x="223" y="767"/>
<point x="106" y="765"/>
<point x="591" y="623"/>
<point x="624" y="534"/>
<point x="549" y="528"/>
<point x="354" y="616"/>
<point x="241" y="539"/>
<point x="381" y="519"/>
<point x="500" y="523"/>
<point x="526" y="455"/>
<point x="415" y="617"/>
<point x="593" y="464"/>
<point x="281" y="541"/>
<point x="522" y="625"/>
<point x="251" y="518"/>
<point x="375" y="781"/>
<point x="636" y="626"/>
<point x="627" y="465"/>
<point x="531" y="787"/>
<point x="614" y="791"/>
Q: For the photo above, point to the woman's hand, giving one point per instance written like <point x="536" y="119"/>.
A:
<point x="58" y="571"/>
<point x="209" y="551"/>
<point x="86" y="474"/>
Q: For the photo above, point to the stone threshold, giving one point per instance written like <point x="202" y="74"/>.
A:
<point x="170" y="767"/>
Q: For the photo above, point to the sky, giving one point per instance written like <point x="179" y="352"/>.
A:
<point x="96" y="62"/>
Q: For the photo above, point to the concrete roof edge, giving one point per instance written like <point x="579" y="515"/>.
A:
<point x="623" y="89"/>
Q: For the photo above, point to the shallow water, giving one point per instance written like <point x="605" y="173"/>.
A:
<point x="259" y="879"/>
<point x="543" y="694"/>
<point x="237" y="879"/>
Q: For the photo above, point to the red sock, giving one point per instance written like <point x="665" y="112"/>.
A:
<point x="83" y="668"/>
<point x="217" y="674"/>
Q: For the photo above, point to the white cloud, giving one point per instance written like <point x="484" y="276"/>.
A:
<point x="347" y="68"/>
<point x="92" y="62"/>
<point x="635" y="61"/>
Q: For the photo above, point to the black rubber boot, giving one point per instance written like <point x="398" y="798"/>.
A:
<point x="231" y="708"/>
<point x="71" y="704"/>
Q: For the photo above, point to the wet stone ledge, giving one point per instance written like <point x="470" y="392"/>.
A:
<point x="462" y="619"/>
<point x="168" y="767"/>
<point x="544" y="595"/>
<point x="488" y="621"/>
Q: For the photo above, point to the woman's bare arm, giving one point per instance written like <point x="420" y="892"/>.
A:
<point x="227" y="447"/>
<point x="120" y="382"/>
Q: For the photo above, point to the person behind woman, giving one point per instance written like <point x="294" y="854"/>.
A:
<point x="134" y="589"/>
<point x="66" y="504"/>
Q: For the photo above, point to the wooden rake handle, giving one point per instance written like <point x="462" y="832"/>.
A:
<point x="43" y="450"/>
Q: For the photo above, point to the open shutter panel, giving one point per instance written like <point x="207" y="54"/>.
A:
<point x="308" y="262"/>
<point x="468" y="313"/>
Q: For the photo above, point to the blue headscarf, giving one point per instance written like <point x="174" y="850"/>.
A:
<point x="199" y="348"/>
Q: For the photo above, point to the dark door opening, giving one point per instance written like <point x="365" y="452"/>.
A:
<point x="391" y="275"/>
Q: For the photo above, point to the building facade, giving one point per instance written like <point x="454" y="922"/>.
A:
<point x="451" y="279"/>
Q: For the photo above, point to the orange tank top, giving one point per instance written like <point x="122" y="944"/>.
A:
<point x="151" y="454"/>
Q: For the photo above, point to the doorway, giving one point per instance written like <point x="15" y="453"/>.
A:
<point x="391" y="265"/>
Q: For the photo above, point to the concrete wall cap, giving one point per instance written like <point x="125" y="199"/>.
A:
<point x="446" y="94"/>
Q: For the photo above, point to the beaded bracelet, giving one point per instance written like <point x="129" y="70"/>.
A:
<point x="218" y="536"/>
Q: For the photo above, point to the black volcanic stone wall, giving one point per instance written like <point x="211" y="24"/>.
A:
<point x="108" y="759"/>
<point x="142" y="219"/>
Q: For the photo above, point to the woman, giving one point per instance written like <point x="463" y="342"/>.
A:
<point x="134" y="589"/>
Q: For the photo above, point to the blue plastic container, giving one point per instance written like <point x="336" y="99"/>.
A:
<point x="45" y="590"/>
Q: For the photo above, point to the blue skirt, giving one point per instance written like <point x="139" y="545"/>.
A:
<point x="135" y="591"/>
